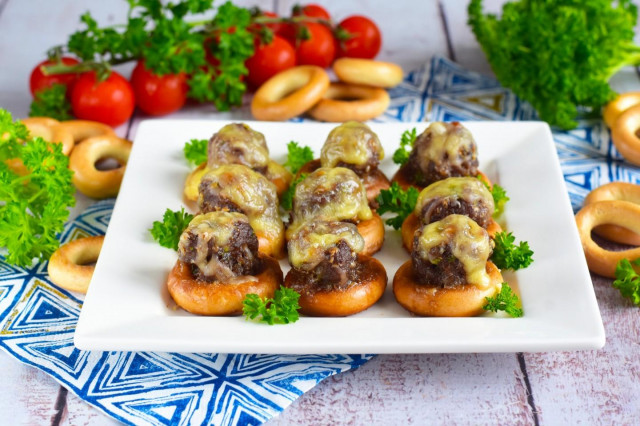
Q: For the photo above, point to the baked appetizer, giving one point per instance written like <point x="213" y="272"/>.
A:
<point x="219" y="264"/>
<point x="449" y="273"/>
<point x="237" y="188"/>
<point x="336" y="195"/>
<point x="457" y="195"/>
<point x="355" y="146"/>
<point x="330" y="272"/>
<point x="443" y="150"/>
<point x="238" y="143"/>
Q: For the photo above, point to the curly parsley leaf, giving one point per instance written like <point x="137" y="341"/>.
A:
<point x="628" y="281"/>
<point x="167" y="233"/>
<point x="287" y="196"/>
<point x="408" y="138"/>
<point x="398" y="201"/>
<point x="195" y="151"/>
<point x="33" y="206"/>
<point x="51" y="102"/>
<point x="499" y="195"/>
<point x="508" y="255"/>
<point x="297" y="156"/>
<point x="506" y="300"/>
<point x="282" y="309"/>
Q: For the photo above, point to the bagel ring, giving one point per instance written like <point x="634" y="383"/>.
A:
<point x="289" y="93"/>
<point x="624" y="134"/>
<point x="91" y="181"/>
<point x="50" y="130"/>
<point x="84" y="129"/>
<point x="616" y="191"/>
<point x="368" y="72"/>
<point x="372" y="231"/>
<point x="616" y="107"/>
<point x="368" y="103"/>
<point x="69" y="265"/>
<point x="623" y="213"/>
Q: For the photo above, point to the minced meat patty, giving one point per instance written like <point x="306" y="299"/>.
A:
<point x="439" y="208"/>
<point x="447" y="272"/>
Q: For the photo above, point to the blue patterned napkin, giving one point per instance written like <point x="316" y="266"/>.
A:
<point x="37" y="319"/>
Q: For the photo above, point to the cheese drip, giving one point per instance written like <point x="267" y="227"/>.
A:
<point x="469" y="243"/>
<point x="352" y="143"/>
<point x="308" y="245"/>
<point x="250" y="191"/>
<point x="335" y="194"/>
<point x="449" y="143"/>
<point x="469" y="189"/>
<point x="238" y="143"/>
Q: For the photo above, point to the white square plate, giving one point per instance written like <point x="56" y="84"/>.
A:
<point x="128" y="308"/>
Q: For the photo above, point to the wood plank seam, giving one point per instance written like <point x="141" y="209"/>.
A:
<point x="60" y="406"/>
<point x="445" y="28"/>
<point x="527" y="383"/>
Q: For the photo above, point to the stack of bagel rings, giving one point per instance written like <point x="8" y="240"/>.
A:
<point x="359" y="96"/>
<point x="622" y="116"/>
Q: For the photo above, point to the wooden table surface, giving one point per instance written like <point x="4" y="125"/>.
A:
<point x="534" y="388"/>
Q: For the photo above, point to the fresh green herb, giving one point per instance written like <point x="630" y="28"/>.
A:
<point x="401" y="155"/>
<point x="51" y="102"/>
<point x="33" y="206"/>
<point x="167" y="233"/>
<point x="195" y="151"/>
<point x="499" y="195"/>
<point x="558" y="54"/>
<point x="297" y="156"/>
<point x="506" y="255"/>
<point x="627" y="280"/>
<point x="506" y="300"/>
<point x="287" y="197"/>
<point x="398" y="201"/>
<point x="282" y="309"/>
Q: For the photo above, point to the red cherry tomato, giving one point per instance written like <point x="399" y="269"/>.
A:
<point x="276" y="27"/>
<point x="158" y="95"/>
<point x="319" y="49"/>
<point x="39" y="81"/>
<point x="365" y="38"/>
<point x="311" y="10"/>
<point x="110" y="101"/>
<point x="268" y="60"/>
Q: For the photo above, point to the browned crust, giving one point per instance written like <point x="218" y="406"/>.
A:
<point x="373" y="184"/>
<point x="426" y="300"/>
<point x="372" y="232"/>
<point x="204" y="298"/>
<point x="339" y="303"/>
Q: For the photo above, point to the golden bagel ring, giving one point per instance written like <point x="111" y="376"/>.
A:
<point x="368" y="72"/>
<point x="68" y="267"/>
<point x="289" y="93"/>
<point x="91" y="181"/>
<point x="369" y="103"/>
<point x="83" y="129"/>
<point x="616" y="107"/>
<point x="616" y="191"/>
<point x="623" y="134"/>
<point x="50" y="130"/>
<point x="622" y="213"/>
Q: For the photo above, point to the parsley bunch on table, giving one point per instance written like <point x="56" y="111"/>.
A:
<point x="627" y="280"/>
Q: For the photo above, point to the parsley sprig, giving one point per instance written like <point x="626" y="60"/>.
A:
<point x="499" y="195"/>
<point x="297" y="156"/>
<point x="506" y="300"/>
<point x="399" y="201"/>
<point x="167" y="233"/>
<point x="286" y="200"/>
<point x="33" y="206"/>
<point x="627" y="280"/>
<point x="282" y="309"/>
<point x="408" y="138"/>
<point x="508" y="255"/>
<point x="195" y="151"/>
<point x="51" y="102"/>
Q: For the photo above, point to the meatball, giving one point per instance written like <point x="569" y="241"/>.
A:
<point x="451" y="252"/>
<point x="352" y="145"/>
<point x="467" y="196"/>
<point x="220" y="246"/>
<point x="443" y="150"/>
<point x="237" y="143"/>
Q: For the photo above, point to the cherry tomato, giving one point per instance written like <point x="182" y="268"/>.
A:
<point x="276" y="27"/>
<point x="39" y="81"/>
<point x="268" y="60"/>
<point x="110" y="101"/>
<point x="319" y="49"/>
<point x="311" y="10"/>
<point x="158" y="95"/>
<point x="365" y="38"/>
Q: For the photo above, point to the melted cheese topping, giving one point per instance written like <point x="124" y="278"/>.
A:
<point x="469" y="243"/>
<point x="470" y="189"/>
<point x="238" y="143"/>
<point x="444" y="142"/>
<point x="309" y="243"/>
<point x="330" y="195"/>
<point x="351" y="143"/>
<point x="253" y="193"/>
